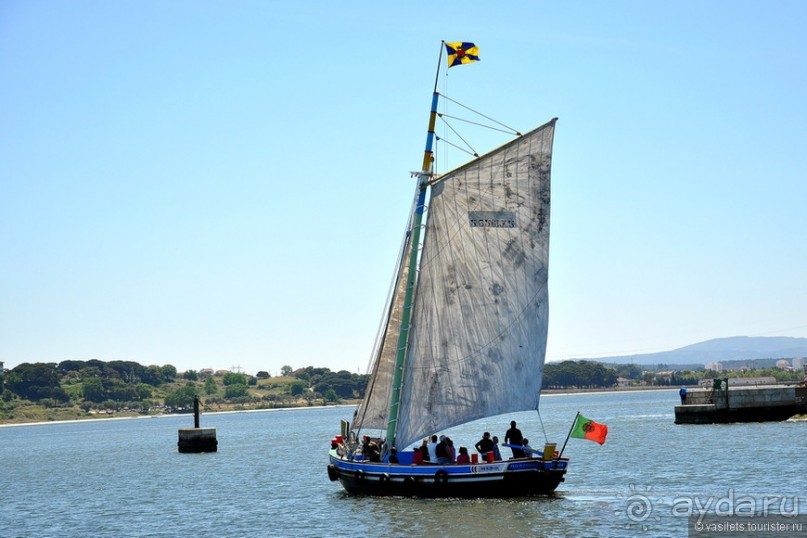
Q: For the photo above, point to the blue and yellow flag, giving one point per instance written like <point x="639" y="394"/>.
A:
<point x="461" y="53"/>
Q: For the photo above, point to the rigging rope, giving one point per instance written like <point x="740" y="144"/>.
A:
<point x="455" y="146"/>
<point x="473" y="151"/>
<point x="546" y="439"/>
<point x="513" y="131"/>
<point x="441" y="116"/>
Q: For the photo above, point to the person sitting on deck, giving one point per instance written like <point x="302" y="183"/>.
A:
<point x="527" y="448"/>
<point x="452" y="456"/>
<point x="417" y="456"/>
<point x="433" y="449"/>
<point x="463" y="457"/>
<point x="424" y="450"/>
<point x="484" y="445"/>
<point x="497" y="456"/>
<point x="370" y="450"/>
<point x="393" y="456"/>
<point x="442" y="451"/>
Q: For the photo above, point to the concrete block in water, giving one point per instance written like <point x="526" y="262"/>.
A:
<point x="740" y="404"/>
<point x="195" y="440"/>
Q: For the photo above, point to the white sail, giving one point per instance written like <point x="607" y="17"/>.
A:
<point x="479" y="326"/>
<point x="374" y="409"/>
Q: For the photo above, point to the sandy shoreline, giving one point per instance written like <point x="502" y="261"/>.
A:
<point x="168" y="415"/>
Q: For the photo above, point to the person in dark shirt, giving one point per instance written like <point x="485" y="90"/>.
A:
<point x="442" y="450"/>
<point x="514" y="437"/>
<point x="393" y="456"/>
<point x="370" y="450"/>
<point x="424" y="449"/>
<point x="484" y="445"/>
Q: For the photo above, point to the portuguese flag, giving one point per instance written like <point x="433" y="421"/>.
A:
<point x="588" y="429"/>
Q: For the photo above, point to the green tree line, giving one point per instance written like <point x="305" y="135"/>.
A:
<point x="592" y="374"/>
<point x="580" y="374"/>
<point x="96" y="384"/>
<point x="115" y="385"/>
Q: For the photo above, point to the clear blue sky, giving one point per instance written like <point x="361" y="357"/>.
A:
<point x="210" y="184"/>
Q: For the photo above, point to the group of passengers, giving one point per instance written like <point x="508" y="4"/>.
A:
<point x="437" y="450"/>
<point x="441" y="450"/>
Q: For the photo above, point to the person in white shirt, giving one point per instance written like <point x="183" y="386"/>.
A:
<point x="433" y="449"/>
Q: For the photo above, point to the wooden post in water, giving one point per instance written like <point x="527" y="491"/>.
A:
<point x="196" y="439"/>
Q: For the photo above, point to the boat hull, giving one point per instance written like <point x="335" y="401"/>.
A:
<point x="512" y="478"/>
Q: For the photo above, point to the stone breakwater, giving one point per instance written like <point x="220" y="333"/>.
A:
<point x="720" y="404"/>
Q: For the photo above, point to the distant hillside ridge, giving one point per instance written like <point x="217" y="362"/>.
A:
<point x="734" y="348"/>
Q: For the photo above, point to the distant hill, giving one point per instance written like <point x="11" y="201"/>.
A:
<point x="735" y="348"/>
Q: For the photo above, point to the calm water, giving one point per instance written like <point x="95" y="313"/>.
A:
<point x="125" y="477"/>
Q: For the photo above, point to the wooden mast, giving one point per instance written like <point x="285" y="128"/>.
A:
<point x="424" y="177"/>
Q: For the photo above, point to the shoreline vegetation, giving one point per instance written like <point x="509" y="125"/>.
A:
<point x="166" y="415"/>
<point x="178" y="414"/>
<point x="73" y="390"/>
<point x="130" y="415"/>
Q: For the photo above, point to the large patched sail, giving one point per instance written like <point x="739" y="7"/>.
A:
<point x="479" y="324"/>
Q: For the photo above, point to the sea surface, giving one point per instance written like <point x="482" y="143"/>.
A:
<point x="121" y="478"/>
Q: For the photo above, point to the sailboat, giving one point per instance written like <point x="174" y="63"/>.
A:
<point x="463" y="336"/>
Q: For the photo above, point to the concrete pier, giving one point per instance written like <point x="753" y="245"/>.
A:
<point x="196" y="439"/>
<point x="721" y="404"/>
